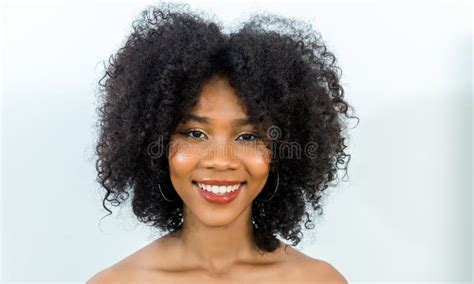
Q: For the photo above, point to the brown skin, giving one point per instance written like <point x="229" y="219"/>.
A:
<point x="216" y="245"/>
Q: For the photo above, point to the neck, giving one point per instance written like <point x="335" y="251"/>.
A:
<point x="216" y="249"/>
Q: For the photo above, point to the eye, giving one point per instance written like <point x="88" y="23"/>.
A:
<point x="191" y="133"/>
<point x="250" y="135"/>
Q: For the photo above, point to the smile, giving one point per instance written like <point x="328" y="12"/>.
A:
<point x="219" y="194"/>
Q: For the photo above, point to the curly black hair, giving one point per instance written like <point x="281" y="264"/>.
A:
<point x="286" y="80"/>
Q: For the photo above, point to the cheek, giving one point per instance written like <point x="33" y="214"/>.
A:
<point x="181" y="160"/>
<point x="257" y="162"/>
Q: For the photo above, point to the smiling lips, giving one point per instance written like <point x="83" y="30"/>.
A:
<point x="220" y="182"/>
<point x="219" y="191"/>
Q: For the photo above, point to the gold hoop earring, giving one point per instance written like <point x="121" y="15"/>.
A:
<point x="276" y="188"/>
<point x="164" y="195"/>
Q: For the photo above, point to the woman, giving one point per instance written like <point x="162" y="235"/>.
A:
<point x="222" y="140"/>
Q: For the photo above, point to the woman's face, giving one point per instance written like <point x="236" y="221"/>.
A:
<point x="215" y="146"/>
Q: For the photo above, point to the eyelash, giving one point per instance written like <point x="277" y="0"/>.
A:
<point x="186" y="133"/>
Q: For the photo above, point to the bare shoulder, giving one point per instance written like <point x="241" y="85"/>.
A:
<point x="138" y="266"/>
<point x="109" y="275"/>
<point x="304" y="268"/>
<point x="320" y="271"/>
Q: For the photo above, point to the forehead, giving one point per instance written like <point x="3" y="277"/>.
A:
<point x="209" y="120"/>
<point x="217" y="102"/>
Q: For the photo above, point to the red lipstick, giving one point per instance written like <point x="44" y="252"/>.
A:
<point x="219" y="198"/>
<point x="220" y="182"/>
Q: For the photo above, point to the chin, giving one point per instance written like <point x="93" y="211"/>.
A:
<point x="215" y="214"/>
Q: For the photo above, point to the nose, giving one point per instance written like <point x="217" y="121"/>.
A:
<point x="220" y="156"/>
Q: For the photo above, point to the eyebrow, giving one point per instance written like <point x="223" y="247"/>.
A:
<point x="206" y="120"/>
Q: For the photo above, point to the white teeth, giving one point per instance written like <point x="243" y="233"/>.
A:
<point x="218" y="189"/>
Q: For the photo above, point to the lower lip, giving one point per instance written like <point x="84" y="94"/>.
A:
<point x="219" y="198"/>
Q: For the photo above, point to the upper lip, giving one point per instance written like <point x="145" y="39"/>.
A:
<point x="220" y="182"/>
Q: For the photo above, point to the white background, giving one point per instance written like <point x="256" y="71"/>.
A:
<point x="404" y="215"/>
